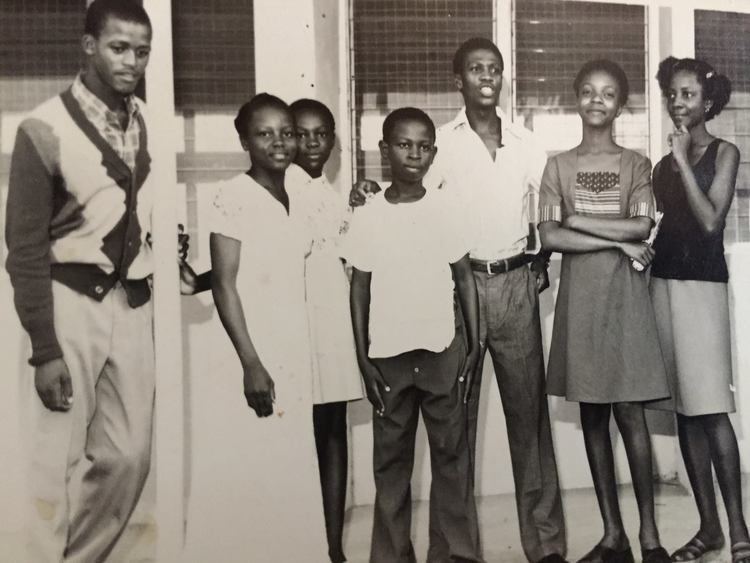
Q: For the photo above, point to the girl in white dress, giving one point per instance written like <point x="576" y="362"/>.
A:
<point x="336" y="377"/>
<point x="263" y="471"/>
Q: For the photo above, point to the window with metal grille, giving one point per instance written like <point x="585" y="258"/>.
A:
<point x="553" y="39"/>
<point x="722" y="40"/>
<point x="40" y="54"/>
<point x="401" y="56"/>
<point x="213" y="54"/>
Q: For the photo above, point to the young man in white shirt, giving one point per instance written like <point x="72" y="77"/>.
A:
<point x="406" y="252"/>
<point x="490" y="168"/>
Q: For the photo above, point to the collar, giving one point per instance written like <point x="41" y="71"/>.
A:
<point x="91" y="102"/>
<point x="461" y="121"/>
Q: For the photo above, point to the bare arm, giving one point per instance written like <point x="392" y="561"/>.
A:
<point x="710" y="210"/>
<point x="620" y="230"/>
<point x="192" y="283"/>
<point x="467" y="294"/>
<point x="225" y="261"/>
<point x="559" y="239"/>
<point x="359" y="302"/>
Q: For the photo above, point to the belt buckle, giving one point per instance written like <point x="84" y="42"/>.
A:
<point x="506" y="264"/>
<point x="488" y="266"/>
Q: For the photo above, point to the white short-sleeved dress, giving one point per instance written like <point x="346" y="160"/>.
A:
<point x="263" y="472"/>
<point x="334" y="362"/>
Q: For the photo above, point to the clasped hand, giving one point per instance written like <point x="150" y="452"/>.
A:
<point x="361" y="190"/>
<point x="679" y="141"/>
<point x="260" y="391"/>
<point x="639" y="251"/>
<point x="53" y="385"/>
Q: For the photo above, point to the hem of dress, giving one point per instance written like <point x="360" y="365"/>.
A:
<point x="601" y="401"/>
<point x="701" y="412"/>
<point x="350" y="399"/>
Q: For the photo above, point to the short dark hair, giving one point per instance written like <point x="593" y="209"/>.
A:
<point x="471" y="45"/>
<point x="306" y="104"/>
<point x="259" y="101"/>
<point x="406" y="114"/>
<point x="100" y="10"/>
<point x="611" y="68"/>
<point x="716" y="87"/>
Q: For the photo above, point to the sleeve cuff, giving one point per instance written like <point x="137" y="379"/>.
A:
<point x="44" y="343"/>
<point x="642" y="209"/>
<point x="37" y="359"/>
<point x="550" y="213"/>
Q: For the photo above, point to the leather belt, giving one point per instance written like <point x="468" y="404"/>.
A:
<point x="501" y="266"/>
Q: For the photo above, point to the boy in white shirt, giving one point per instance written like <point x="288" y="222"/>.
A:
<point x="406" y="252"/>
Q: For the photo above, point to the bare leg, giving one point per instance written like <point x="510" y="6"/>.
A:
<point x="329" y="422"/>
<point x="726" y="459"/>
<point x="595" y="423"/>
<point x="694" y="444"/>
<point x="632" y="424"/>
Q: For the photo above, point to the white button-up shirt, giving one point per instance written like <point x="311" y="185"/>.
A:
<point x="494" y="198"/>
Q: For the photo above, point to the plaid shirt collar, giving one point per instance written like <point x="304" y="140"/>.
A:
<point x="97" y="111"/>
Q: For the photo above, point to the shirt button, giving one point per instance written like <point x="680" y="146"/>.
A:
<point x="98" y="290"/>
<point x="416" y="370"/>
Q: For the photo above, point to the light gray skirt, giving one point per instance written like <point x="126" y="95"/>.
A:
<point x="692" y="319"/>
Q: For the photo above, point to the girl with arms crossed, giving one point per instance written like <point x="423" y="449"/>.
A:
<point x="596" y="205"/>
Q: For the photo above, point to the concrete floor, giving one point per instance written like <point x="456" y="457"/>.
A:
<point x="676" y="515"/>
<point x="677" y="520"/>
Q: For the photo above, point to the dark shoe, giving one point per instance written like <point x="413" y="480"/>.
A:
<point x="552" y="558"/>
<point x="741" y="552"/>
<point x="655" y="555"/>
<point x="601" y="554"/>
<point x="694" y="550"/>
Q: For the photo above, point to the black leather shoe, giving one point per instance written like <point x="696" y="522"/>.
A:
<point x="552" y="558"/>
<point x="601" y="554"/>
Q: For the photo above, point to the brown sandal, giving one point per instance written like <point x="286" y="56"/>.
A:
<point x="694" y="550"/>
<point x="741" y="552"/>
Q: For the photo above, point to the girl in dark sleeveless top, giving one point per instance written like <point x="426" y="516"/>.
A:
<point x="694" y="187"/>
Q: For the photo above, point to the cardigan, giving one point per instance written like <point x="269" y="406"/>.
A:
<point x="62" y="173"/>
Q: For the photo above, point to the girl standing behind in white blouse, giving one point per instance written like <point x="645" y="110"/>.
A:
<point x="336" y="377"/>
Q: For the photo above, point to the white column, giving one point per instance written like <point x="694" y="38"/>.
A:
<point x="656" y="52"/>
<point x="683" y="31"/>
<point x="344" y="114"/>
<point x="504" y="40"/>
<point x="168" y="422"/>
<point x="285" y="68"/>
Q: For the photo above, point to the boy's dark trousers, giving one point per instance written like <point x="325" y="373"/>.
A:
<point x="426" y="381"/>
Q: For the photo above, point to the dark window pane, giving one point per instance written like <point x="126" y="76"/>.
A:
<point x="553" y="39"/>
<point x="723" y="40"/>
<point x="40" y="50"/>
<point x="214" y="65"/>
